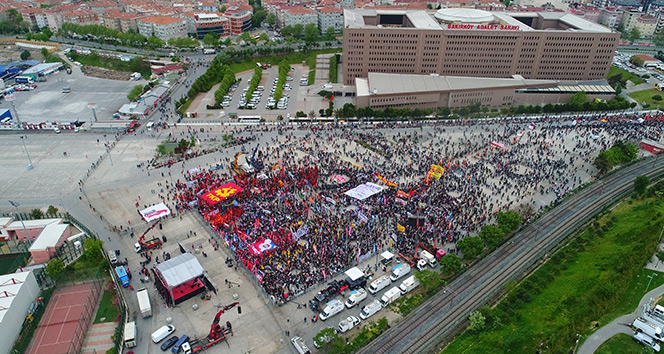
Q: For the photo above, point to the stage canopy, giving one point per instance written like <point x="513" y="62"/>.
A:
<point x="180" y="269"/>
<point x="155" y="212"/>
<point x="364" y="191"/>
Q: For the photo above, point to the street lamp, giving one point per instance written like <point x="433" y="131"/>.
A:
<point x="26" y="152"/>
<point x="649" y="281"/>
<point x="92" y="106"/>
<point x="15" y="205"/>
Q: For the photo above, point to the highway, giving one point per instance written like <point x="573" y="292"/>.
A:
<point x="436" y="321"/>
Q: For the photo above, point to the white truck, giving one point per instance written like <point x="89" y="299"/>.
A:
<point x="130" y="334"/>
<point x="390" y="296"/>
<point x="379" y="284"/>
<point x="144" y="302"/>
<point x="356" y="296"/>
<point x="371" y="309"/>
<point x="348" y="324"/>
<point x="333" y="307"/>
<point x="400" y="271"/>
<point x="409" y="284"/>
<point x="640" y="324"/>
<point x="425" y="255"/>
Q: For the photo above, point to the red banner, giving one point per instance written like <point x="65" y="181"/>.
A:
<point x="224" y="192"/>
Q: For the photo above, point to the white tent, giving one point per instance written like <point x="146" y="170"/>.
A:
<point x="180" y="269"/>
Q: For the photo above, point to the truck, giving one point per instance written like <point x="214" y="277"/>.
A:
<point x="390" y="296"/>
<point x="122" y="275"/>
<point x="333" y="307"/>
<point x="399" y="271"/>
<point x="149" y="244"/>
<point x="130" y="334"/>
<point x="356" y="296"/>
<point x="409" y="284"/>
<point x="135" y="76"/>
<point x="379" y="284"/>
<point x="24" y="80"/>
<point x="640" y="324"/>
<point x="144" y="302"/>
<point x="348" y="324"/>
<point x="428" y="257"/>
<point x="371" y="309"/>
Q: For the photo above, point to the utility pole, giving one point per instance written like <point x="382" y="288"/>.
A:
<point x="30" y="166"/>
<point x="15" y="205"/>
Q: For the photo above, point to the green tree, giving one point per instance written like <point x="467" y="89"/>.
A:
<point x="311" y="32"/>
<point x="55" y="267"/>
<point x="298" y="31"/>
<point x="640" y="184"/>
<point x="44" y="52"/>
<point x="659" y="39"/>
<point x="477" y="321"/>
<point x="264" y="37"/>
<point x="156" y="42"/>
<point x="326" y="335"/>
<point x="25" y="55"/>
<point x="634" y="34"/>
<point x="271" y="19"/>
<point x="36" y="213"/>
<point x="330" y="34"/>
<point x="509" y="221"/>
<point x="450" y="264"/>
<point x="92" y="250"/>
<point x="222" y="9"/>
<point x="211" y="39"/>
<point x="471" y="247"/>
<point x="660" y="256"/>
<point x="577" y="100"/>
<point x="602" y="163"/>
<point x="637" y="61"/>
<point x="51" y="210"/>
<point x="134" y="93"/>
<point x="492" y="235"/>
<point x="429" y="280"/>
<point x="47" y="32"/>
<point x="258" y="17"/>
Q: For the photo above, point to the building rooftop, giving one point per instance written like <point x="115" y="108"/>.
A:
<point x="10" y="285"/>
<point x="161" y="20"/>
<point x="49" y="237"/>
<point x="31" y="224"/>
<point x="180" y="269"/>
<point x="385" y="84"/>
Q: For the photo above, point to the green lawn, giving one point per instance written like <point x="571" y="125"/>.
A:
<point x="614" y="70"/>
<point x="108" y="309"/>
<point x="293" y="58"/>
<point x="647" y="97"/>
<point x="562" y="298"/>
<point x="620" y="344"/>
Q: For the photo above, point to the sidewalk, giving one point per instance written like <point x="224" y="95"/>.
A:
<point x="98" y="339"/>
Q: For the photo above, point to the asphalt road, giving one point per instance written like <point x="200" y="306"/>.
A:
<point x="454" y="305"/>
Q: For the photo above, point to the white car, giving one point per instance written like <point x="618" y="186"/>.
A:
<point x="348" y="324"/>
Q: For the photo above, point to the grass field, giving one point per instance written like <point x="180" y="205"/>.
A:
<point x="293" y="58"/>
<point x="108" y="310"/>
<point x="620" y="344"/>
<point x="568" y="303"/>
<point x="646" y="96"/>
<point x="614" y="70"/>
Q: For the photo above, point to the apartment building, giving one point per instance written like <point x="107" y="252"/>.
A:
<point x="646" y="24"/>
<point x="294" y="15"/>
<point x="121" y="21"/>
<point x="330" y="17"/>
<point x="81" y="17"/>
<point x="212" y="23"/>
<point x="610" y="16"/>
<point x="239" y="18"/>
<point x="469" y="42"/>
<point x="163" y="27"/>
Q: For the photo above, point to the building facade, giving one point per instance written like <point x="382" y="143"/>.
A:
<point x="466" y="42"/>
<point x="330" y="17"/>
<point x="163" y="27"/>
<point x="239" y="18"/>
<point x="121" y="21"/>
<point x="610" y="16"/>
<point x="296" y="15"/>
<point x="211" y="23"/>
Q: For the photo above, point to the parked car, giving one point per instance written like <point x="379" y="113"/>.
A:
<point x="169" y="343"/>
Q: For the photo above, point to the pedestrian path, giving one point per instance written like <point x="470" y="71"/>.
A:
<point x="98" y="338"/>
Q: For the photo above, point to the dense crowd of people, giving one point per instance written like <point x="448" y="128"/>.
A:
<point x="292" y="225"/>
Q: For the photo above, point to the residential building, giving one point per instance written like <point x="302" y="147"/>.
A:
<point x="468" y="42"/>
<point x="164" y="27"/>
<point x="212" y="23"/>
<point x="239" y="18"/>
<point x="347" y="4"/>
<point x="646" y="24"/>
<point x="330" y="17"/>
<point x="208" y="6"/>
<point x="610" y="17"/>
<point x="121" y="21"/>
<point x="294" y="15"/>
<point x="81" y="17"/>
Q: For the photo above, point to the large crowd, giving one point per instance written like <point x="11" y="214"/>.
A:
<point x="298" y="200"/>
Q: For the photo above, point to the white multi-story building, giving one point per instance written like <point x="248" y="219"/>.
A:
<point x="610" y="16"/>
<point x="330" y="17"/>
<point x="163" y="27"/>
<point x="347" y="4"/>
<point x="293" y="15"/>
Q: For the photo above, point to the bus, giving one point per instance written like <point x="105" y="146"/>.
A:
<point x="133" y="126"/>
<point x="249" y="119"/>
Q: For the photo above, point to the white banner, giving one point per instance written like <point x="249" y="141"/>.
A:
<point x="155" y="212"/>
<point x="364" y="191"/>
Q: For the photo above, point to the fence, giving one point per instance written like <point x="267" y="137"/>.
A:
<point x="119" y="331"/>
<point x="87" y="312"/>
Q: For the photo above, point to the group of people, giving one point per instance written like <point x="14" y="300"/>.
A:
<point x="292" y="225"/>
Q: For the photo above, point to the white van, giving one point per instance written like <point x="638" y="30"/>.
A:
<point x="300" y="346"/>
<point x="333" y="307"/>
<point x="409" y="284"/>
<point x="348" y="324"/>
<point x="379" y="284"/>
<point x="400" y="271"/>
<point x="390" y="296"/>
<point x="640" y="324"/>
<point x="162" y="333"/>
<point x="150" y="125"/>
<point x="425" y="255"/>
<point x="370" y="309"/>
<point x="658" y="311"/>
<point x="647" y="341"/>
<point x="356" y="297"/>
<point x="112" y="258"/>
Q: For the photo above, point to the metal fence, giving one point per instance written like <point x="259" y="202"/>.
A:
<point x="89" y="307"/>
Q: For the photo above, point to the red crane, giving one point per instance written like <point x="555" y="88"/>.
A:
<point x="217" y="333"/>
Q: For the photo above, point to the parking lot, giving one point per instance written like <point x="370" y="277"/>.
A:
<point x="48" y="102"/>
<point x="621" y="60"/>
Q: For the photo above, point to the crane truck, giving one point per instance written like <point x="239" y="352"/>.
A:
<point x="217" y="333"/>
<point x="149" y="244"/>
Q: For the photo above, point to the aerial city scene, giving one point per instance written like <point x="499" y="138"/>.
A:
<point x="331" y="176"/>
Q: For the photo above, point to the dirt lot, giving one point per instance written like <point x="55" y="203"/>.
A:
<point x="12" y="53"/>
